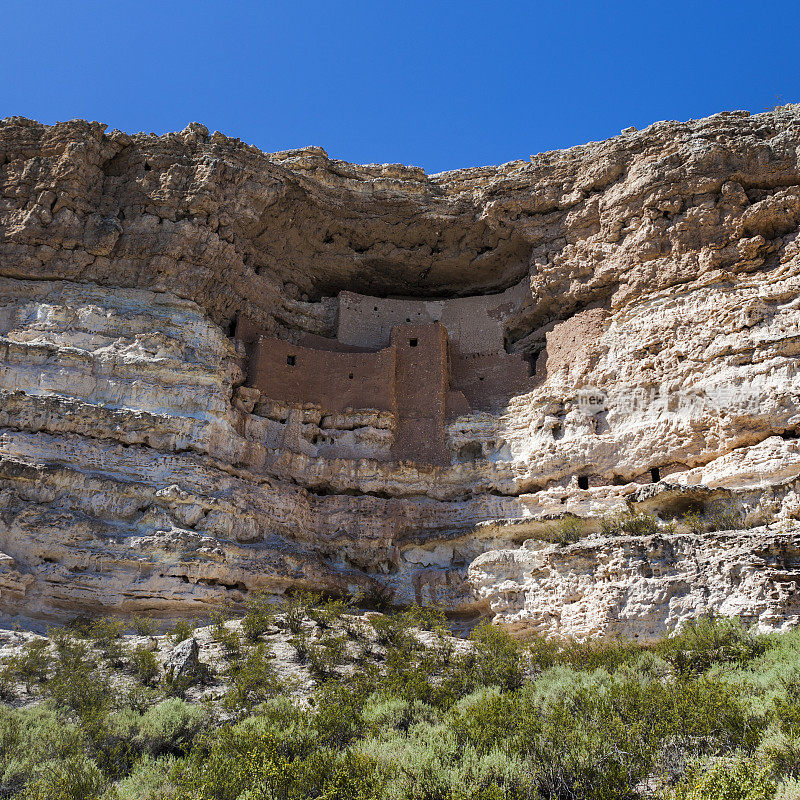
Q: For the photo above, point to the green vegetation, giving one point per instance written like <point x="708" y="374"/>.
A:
<point x="400" y="709"/>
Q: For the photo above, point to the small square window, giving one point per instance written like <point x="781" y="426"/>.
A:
<point x="412" y="342"/>
<point x="583" y="481"/>
<point x="350" y="376"/>
<point x="290" y="360"/>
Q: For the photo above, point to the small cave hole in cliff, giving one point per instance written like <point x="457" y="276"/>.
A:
<point x="472" y="451"/>
<point x="291" y="361"/>
<point x="583" y="481"/>
<point x="655" y="474"/>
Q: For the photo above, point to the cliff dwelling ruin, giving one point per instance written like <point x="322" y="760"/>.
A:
<point x="423" y="362"/>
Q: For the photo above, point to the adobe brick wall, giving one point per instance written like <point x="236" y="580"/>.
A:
<point x="571" y="343"/>
<point x="474" y="324"/>
<point x="316" y="342"/>
<point x="335" y="381"/>
<point x="488" y="382"/>
<point x="421" y="385"/>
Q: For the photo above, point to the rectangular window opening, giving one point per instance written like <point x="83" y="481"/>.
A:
<point x="412" y="342"/>
<point x="291" y="360"/>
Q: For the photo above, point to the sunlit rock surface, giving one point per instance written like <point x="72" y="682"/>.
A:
<point x="658" y="274"/>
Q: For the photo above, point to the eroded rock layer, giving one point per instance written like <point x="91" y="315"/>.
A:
<point x="641" y="355"/>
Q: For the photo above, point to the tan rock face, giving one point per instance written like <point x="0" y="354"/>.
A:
<point x="651" y="284"/>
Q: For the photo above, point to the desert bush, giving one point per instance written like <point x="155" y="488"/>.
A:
<point x="76" y="682"/>
<point x="497" y="658"/>
<point x="788" y="789"/>
<point x="106" y="631"/>
<point x="150" y="779"/>
<point x="781" y="751"/>
<point x="235" y="760"/>
<point x="424" y="618"/>
<point x="327" y="613"/>
<point x="253" y="679"/>
<point x="229" y="638"/>
<point x="707" y="641"/>
<point x="392" y="630"/>
<point x="629" y="523"/>
<point x="566" y="531"/>
<point x="170" y="726"/>
<point x="144" y="626"/>
<point x="144" y="664"/>
<point x="383" y="715"/>
<point x="723" y="517"/>
<point x="73" y="778"/>
<point x="260" y="615"/>
<point x="734" y="777"/>
<point x="294" y="609"/>
<point x="327" y="654"/>
<point x="31" y="666"/>
<point x="429" y="761"/>
<point x="719" y="516"/>
<point x="181" y="630"/>
<point x="32" y="738"/>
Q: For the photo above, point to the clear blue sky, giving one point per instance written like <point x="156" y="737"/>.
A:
<point x="436" y="84"/>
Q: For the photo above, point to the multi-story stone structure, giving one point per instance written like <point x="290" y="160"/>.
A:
<point x="423" y="361"/>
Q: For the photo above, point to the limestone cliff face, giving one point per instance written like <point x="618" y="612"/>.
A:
<point x="655" y="280"/>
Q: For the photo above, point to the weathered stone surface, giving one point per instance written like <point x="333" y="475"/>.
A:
<point x="658" y="271"/>
<point x="643" y="587"/>
<point x="183" y="661"/>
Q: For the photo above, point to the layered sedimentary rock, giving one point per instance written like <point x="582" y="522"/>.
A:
<point x="621" y="330"/>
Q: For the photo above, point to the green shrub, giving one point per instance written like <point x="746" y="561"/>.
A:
<point x="781" y="751"/>
<point x="31" y="666"/>
<point x="229" y="638"/>
<point x="74" y="778"/>
<point x="497" y="658"/>
<point x="150" y="779"/>
<point x="629" y="523"/>
<point x="144" y="664"/>
<point x="788" y="790"/>
<point x="144" y="626"/>
<point x="76" y="683"/>
<point x="719" y="516"/>
<point x="566" y="531"/>
<point x="326" y="655"/>
<point x="260" y="616"/>
<point x="181" y="630"/>
<point x="392" y="630"/>
<point x="170" y="726"/>
<point x="734" y="777"/>
<point x="31" y="737"/>
<point x="707" y="641"/>
<point x="294" y="608"/>
<point x="249" y="761"/>
<point x="253" y="679"/>
<point x="328" y="612"/>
